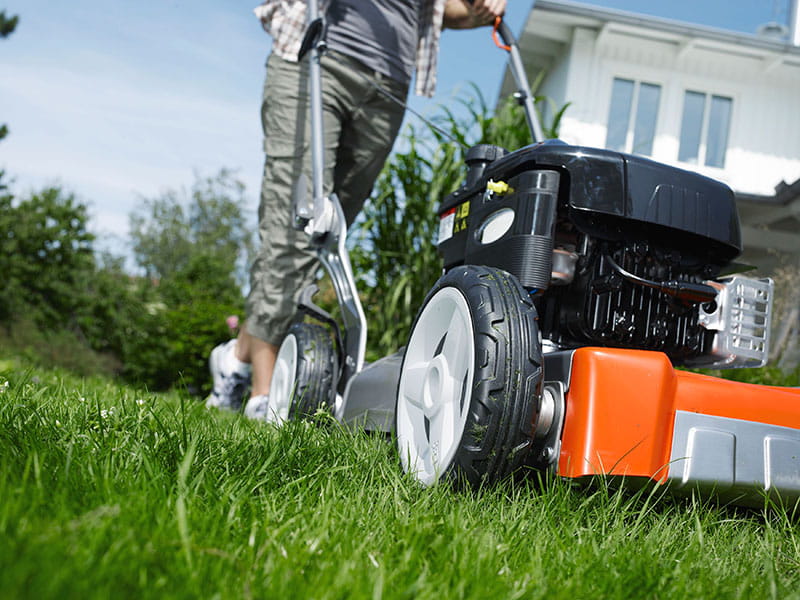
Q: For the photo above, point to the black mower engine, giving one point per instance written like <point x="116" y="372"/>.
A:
<point x="616" y="250"/>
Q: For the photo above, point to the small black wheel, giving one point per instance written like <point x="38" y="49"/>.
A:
<point x="305" y="375"/>
<point x="471" y="380"/>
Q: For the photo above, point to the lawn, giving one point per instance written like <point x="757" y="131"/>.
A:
<point x="106" y="491"/>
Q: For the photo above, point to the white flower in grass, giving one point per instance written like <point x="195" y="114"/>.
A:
<point x="81" y="399"/>
<point x="3" y="387"/>
<point x="140" y="401"/>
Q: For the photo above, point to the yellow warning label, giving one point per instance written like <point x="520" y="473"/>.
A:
<point x="461" y="218"/>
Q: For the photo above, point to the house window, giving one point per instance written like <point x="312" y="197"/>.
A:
<point x="633" y="129"/>
<point x="704" y="129"/>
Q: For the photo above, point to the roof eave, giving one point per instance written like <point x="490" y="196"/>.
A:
<point x="605" y="15"/>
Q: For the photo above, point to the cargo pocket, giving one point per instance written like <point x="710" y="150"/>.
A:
<point x="284" y="109"/>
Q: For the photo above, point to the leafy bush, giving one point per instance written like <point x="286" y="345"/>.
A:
<point x="60" y="305"/>
<point x="189" y="323"/>
<point x="46" y="257"/>
<point x="194" y="245"/>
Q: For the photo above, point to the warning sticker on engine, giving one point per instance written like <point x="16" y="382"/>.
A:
<point x="453" y="221"/>
<point x="446" y="225"/>
<point x="461" y="218"/>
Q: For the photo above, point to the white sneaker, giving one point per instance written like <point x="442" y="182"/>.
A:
<point x="257" y="407"/>
<point x="230" y="382"/>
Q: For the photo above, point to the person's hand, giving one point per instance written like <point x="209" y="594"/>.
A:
<point x="486" y="11"/>
<point x="466" y="14"/>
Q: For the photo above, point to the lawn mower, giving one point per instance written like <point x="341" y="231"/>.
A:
<point x="574" y="281"/>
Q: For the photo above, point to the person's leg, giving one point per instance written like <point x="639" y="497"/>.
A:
<point x="360" y="126"/>
<point x="285" y="262"/>
<point x="292" y="262"/>
<point x="261" y="355"/>
<point x="367" y="132"/>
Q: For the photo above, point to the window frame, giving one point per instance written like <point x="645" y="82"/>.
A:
<point x="634" y="113"/>
<point x="702" y="147"/>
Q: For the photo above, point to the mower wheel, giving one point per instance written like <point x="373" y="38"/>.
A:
<point x="471" y="380"/>
<point x="305" y="375"/>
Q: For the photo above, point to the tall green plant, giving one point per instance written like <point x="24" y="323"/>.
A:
<point x="394" y="243"/>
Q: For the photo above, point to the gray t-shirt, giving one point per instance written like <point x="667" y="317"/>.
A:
<point x="381" y="34"/>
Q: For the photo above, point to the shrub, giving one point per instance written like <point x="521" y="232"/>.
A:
<point x="61" y="305"/>
<point x="46" y="257"/>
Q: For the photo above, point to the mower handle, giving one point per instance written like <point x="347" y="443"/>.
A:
<point x="523" y="93"/>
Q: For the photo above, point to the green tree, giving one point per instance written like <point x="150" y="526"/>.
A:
<point x="195" y="245"/>
<point x="46" y="256"/>
<point x="7" y="24"/>
<point x="168" y="232"/>
<point x="60" y="304"/>
<point x="58" y="307"/>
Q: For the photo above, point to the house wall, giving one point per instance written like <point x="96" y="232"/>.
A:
<point x="764" y="136"/>
<point x="555" y="85"/>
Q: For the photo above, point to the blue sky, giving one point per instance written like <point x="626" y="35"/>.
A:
<point x="121" y="99"/>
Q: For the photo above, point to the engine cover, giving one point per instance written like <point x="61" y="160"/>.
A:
<point x="606" y="195"/>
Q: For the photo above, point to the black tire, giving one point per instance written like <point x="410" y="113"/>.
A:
<point x="506" y="379"/>
<point x="316" y="373"/>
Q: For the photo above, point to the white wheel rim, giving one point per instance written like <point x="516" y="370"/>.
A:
<point x="435" y="388"/>
<point x="283" y="383"/>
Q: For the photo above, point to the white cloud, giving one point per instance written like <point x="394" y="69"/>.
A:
<point x="115" y="101"/>
<point x="112" y="134"/>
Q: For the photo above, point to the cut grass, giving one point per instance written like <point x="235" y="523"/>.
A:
<point x="106" y="491"/>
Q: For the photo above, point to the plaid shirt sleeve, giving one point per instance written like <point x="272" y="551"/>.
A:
<point x="430" y="30"/>
<point x="285" y="22"/>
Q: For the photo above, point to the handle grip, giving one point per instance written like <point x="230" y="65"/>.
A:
<point x="505" y="33"/>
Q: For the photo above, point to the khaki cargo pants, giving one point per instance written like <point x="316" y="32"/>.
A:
<point x="360" y="127"/>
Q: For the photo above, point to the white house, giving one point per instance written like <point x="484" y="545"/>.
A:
<point x="722" y="103"/>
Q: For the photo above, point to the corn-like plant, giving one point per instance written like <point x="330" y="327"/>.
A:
<point x="393" y="245"/>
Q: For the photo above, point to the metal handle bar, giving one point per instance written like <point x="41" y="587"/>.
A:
<point x="523" y="93"/>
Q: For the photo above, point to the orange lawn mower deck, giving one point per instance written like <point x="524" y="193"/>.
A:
<point x="630" y="413"/>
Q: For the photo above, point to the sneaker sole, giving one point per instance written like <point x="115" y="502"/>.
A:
<point x="214" y="365"/>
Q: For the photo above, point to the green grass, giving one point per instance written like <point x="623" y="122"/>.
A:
<point x="106" y="491"/>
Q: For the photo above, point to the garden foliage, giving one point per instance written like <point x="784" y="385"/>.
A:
<point x="64" y="304"/>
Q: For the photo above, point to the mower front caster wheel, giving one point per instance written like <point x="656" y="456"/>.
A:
<point x="470" y="383"/>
